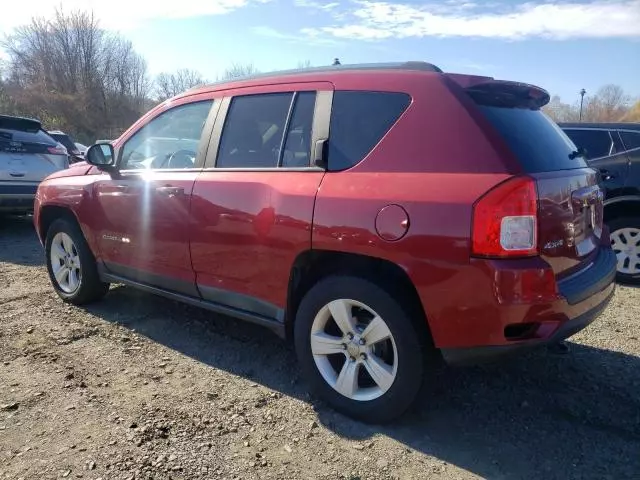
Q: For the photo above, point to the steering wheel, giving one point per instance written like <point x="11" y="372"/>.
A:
<point x="180" y="159"/>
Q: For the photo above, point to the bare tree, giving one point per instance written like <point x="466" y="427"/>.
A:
<point x="609" y="104"/>
<point x="633" y="115"/>
<point x="73" y="75"/>
<point x="560" y="111"/>
<point x="237" y="71"/>
<point x="168" y="85"/>
<point x="303" y="65"/>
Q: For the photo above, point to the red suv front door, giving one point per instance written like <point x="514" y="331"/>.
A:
<point x="142" y="221"/>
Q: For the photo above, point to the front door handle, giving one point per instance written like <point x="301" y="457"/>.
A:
<point x="170" y="191"/>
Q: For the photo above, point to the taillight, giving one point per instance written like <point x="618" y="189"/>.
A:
<point x="505" y="220"/>
<point x="57" y="150"/>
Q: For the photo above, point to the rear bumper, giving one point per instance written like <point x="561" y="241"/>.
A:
<point x="475" y="355"/>
<point x="17" y="198"/>
<point x="493" y="311"/>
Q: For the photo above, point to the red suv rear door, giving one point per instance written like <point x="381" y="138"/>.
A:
<point x="253" y="203"/>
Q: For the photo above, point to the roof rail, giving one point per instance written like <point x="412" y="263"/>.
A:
<point x="412" y="65"/>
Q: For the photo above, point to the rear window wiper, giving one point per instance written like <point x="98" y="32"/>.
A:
<point x="580" y="152"/>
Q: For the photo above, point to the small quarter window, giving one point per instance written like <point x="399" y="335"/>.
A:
<point x="359" y="120"/>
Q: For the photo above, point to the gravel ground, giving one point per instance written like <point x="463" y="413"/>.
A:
<point x="138" y="387"/>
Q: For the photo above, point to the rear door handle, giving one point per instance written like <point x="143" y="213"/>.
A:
<point x="170" y="191"/>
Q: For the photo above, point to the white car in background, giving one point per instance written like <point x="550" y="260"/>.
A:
<point x="28" y="154"/>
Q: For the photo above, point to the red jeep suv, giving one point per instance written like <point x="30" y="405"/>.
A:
<point x="374" y="214"/>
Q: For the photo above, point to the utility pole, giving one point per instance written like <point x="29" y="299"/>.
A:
<point x="582" y="92"/>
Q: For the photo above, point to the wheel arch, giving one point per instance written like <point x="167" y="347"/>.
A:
<point x="625" y="206"/>
<point x="51" y="213"/>
<point x="310" y="266"/>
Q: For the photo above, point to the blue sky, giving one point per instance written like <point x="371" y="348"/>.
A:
<point x="561" y="46"/>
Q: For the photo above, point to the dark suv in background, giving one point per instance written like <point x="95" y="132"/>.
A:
<point x="614" y="149"/>
<point x="74" y="153"/>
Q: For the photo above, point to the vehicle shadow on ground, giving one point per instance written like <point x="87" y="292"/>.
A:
<point x="19" y="242"/>
<point x="532" y="416"/>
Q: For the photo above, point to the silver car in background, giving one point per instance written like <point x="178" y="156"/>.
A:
<point x="28" y="154"/>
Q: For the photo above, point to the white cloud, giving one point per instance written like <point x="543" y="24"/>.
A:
<point x="119" y="14"/>
<point x="313" y="4"/>
<point x="309" y="36"/>
<point x="378" y="20"/>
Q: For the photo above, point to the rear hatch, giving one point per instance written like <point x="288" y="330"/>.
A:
<point x="570" y="203"/>
<point x="27" y="153"/>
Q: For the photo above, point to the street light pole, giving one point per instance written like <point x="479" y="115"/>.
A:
<point x="582" y="92"/>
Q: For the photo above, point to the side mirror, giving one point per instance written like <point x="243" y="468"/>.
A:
<point x="101" y="155"/>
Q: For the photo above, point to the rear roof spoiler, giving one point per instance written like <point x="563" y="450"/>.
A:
<point x="19" y="123"/>
<point x="501" y="93"/>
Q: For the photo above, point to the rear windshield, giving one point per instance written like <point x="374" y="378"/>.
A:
<point x="64" y="140"/>
<point x="26" y="137"/>
<point x="538" y="143"/>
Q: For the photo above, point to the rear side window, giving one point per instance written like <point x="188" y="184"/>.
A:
<point x="631" y="140"/>
<point x="358" y="121"/>
<point x="597" y="143"/>
<point x="297" y="146"/>
<point x="65" y="140"/>
<point x="253" y="131"/>
<point x="538" y="143"/>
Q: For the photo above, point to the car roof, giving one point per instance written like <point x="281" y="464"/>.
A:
<point x="602" y="125"/>
<point x="56" y="132"/>
<point x="313" y="74"/>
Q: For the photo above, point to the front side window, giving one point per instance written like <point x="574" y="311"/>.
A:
<point x="169" y="141"/>
<point x="597" y="143"/>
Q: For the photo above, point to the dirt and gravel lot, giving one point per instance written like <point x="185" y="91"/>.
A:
<point x="138" y="387"/>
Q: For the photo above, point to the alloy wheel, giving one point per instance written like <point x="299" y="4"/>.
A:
<point x="354" y="350"/>
<point x="626" y="245"/>
<point x="65" y="263"/>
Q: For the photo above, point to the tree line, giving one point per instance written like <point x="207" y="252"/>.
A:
<point x="610" y="103"/>
<point x="77" y="77"/>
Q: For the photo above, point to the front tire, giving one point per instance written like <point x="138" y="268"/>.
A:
<point x="625" y="241"/>
<point x="359" y="349"/>
<point x="71" y="265"/>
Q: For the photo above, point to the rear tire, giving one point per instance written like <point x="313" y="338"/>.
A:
<point x="359" y="349"/>
<point x="71" y="265"/>
<point x="625" y="240"/>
